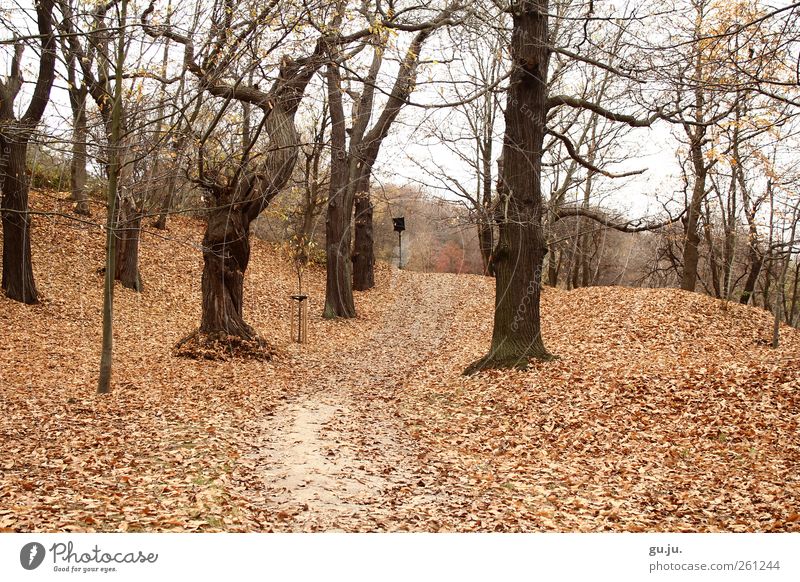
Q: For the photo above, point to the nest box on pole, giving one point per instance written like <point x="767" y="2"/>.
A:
<point x="399" y="227"/>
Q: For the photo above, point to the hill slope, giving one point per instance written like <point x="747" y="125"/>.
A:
<point x="665" y="411"/>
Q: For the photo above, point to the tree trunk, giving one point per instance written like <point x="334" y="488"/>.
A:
<point x="18" y="282"/>
<point x="714" y="266"/>
<point x="226" y="252"/>
<point x="338" y="289"/>
<point x="793" y="307"/>
<point x="486" y="244"/>
<point x="77" y="98"/>
<point x="697" y="137"/>
<point x="586" y="268"/>
<point x="752" y="278"/>
<point x="691" y="245"/>
<point x="521" y="247"/>
<point x="552" y="268"/>
<point x="17" y="279"/>
<point x="363" y="250"/>
<point x="767" y="281"/>
<point x="338" y="238"/>
<point x="485" y="228"/>
<point x="129" y="226"/>
<point x="115" y="127"/>
<point x="160" y="222"/>
<point x="166" y="202"/>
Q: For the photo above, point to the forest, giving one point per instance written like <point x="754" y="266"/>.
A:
<point x="400" y="265"/>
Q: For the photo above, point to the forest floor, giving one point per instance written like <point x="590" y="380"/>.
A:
<point x="666" y="411"/>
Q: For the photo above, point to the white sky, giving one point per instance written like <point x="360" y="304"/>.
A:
<point x="651" y="148"/>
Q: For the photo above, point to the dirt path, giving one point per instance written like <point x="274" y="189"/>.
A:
<point x="337" y="457"/>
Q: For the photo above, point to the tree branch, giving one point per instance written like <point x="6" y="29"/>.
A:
<point x="559" y="100"/>
<point x="585" y="163"/>
<point x="600" y="217"/>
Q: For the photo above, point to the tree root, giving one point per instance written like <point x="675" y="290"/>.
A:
<point x="494" y="361"/>
<point x="221" y="346"/>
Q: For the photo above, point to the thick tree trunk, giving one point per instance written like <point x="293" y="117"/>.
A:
<point x="17" y="279"/>
<point x="77" y="97"/>
<point x="338" y="238"/>
<point x="18" y="282"/>
<point x="226" y="252"/>
<point x="691" y="245"/>
<point x="486" y="244"/>
<point x="338" y="289"/>
<point x="129" y="226"/>
<point x="363" y="249"/>
<point x="756" y="259"/>
<point x="226" y="246"/>
<point x="355" y="166"/>
<point x="521" y="247"/>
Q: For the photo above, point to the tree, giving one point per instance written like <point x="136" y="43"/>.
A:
<point x="15" y="135"/>
<point x="353" y="160"/>
<point x="116" y="160"/>
<point x="521" y="246"/>
<point x="468" y="130"/>
<point x="239" y="191"/>
<point x="94" y="59"/>
<point x="78" y="95"/>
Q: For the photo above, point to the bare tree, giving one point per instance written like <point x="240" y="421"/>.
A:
<point x="469" y="129"/>
<point x="15" y="135"/>
<point x="352" y="160"/>
<point x="239" y="190"/>
<point x="522" y="246"/>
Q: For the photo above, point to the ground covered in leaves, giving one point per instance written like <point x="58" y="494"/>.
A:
<point x="666" y="411"/>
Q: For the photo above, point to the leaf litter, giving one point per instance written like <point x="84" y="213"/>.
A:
<point x="666" y="410"/>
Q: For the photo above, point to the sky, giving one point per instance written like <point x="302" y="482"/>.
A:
<point x="651" y="148"/>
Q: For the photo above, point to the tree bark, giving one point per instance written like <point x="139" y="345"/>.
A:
<point x="226" y="243"/>
<point x="486" y="245"/>
<point x="552" y="268"/>
<point x="128" y="229"/>
<point x="18" y="282"/>
<point x="17" y="279"/>
<point x="115" y="133"/>
<point x="485" y="227"/>
<point x="363" y="250"/>
<point x="338" y="238"/>
<point x="365" y="146"/>
<point x="166" y="202"/>
<point x="714" y="266"/>
<point x="756" y="260"/>
<point x="521" y="247"/>
<point x="226" y="253"/>
<point x="691" y="245"/>
<point x="755" y="256"/>
<point x="77" y="168"/>
<point x="792" y="313"/>
<point x="338" y="288"/>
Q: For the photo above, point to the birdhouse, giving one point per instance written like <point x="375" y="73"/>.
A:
<point x="399" y="224"/>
